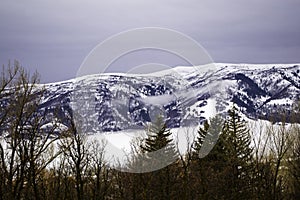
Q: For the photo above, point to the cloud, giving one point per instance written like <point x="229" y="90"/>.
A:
<point x="53" y="36"/>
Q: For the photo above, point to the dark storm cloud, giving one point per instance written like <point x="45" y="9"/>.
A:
<point x="55" y="36"/>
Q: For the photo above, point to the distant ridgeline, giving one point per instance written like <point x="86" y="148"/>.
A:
<point x="112" y="102"/>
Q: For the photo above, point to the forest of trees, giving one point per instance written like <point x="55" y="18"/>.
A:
<point x="35" y="163"/>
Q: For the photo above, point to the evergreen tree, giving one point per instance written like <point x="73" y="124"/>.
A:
<point x="239" y="153"/>
<point x="227" y="173"/>
<point x="202" y="132"/>
<point x="201" y="169"/>
<point x="237" y="137"/>
<point x="158" y="154"/>
<point x="211" y="161"/>
<point x="158" y="146"/>
<point x="208" y="136"/>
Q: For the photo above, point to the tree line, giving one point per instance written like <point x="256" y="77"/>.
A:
<point x="54" y="163"/>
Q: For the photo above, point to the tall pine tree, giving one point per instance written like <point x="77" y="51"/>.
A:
<point x="159" y="145"/>
<point x="202" y="132"/>
<point x="227" y="173"/>
<point x="209" y="160"/>
<point x="237" y="148"/>
<point x="158" y="154"/>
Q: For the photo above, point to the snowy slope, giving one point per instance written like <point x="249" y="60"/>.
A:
<point x="184" y="95"/>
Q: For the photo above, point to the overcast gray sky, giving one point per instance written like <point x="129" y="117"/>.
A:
<point x="53" y="37"/>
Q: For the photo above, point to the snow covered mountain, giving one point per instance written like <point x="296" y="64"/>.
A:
<point x="184" y="95"/>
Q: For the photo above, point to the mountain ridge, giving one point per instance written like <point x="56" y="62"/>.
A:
<point x="217" y="64"/>
<point x="186" y="95"/>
